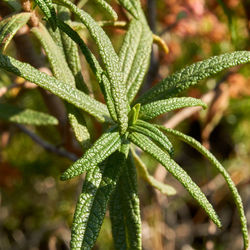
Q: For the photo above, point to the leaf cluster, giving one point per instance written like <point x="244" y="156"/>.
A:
<point x="110" y="163"/>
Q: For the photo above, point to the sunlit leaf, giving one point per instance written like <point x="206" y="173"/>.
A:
<point x="99" y="183"/>
<point x="150" y="147"/>
<point x="192" y="74"/>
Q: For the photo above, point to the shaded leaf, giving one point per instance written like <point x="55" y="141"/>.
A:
<point x="9" y="26"/>
<point x="126" y="222"/>
<point x="25" y="116"/>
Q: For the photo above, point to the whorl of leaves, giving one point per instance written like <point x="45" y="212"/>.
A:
<point x="111" y="161"/>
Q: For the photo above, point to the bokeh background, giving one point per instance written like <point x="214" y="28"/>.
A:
<point x="36" y="208"/>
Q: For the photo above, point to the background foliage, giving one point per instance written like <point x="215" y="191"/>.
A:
<point x="35" y="205"/>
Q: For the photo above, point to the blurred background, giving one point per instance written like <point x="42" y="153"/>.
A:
<point x="36" y="208"/>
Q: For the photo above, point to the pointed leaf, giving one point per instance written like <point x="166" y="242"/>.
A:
<point x="153" y="109"/>
<point x="237" y="199"/>
<point x="9" y="26"/>
<point x="107" y="144"/>
<point x="192" y="74"/>
<point x="150" y="147"/>
<point x="143" y="172"/>
<point x="66" y="92"/>
<point x="126" y="222"/>
<point x="99" y="183"/>
<point x="25" y="116"/>
<point x="110" y="60"/>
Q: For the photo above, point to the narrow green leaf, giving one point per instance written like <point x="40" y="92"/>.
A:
<point x="25" y="116"/>
<point x="143" y="172"/>
<point x="139" y="61"/>
<point x="78" y="124"/>
<point x="110" y="60"/>
<point x="155" y="134"/>
<point x="125" y="210"/>
<point x="57" y="60"/>
<point x="94" y="65"/>
<point x="49" y="11"/>
<point x="62" y="72"/>
<point x="153" y="109"/>
<point x="134" y="114"/>
<point x="131" y="6"/>
<point x="71" y="51"/>
<point x="150" y="147"/>
<point x="9" y="26"/>
<point x="134" y="56"/>
<point x="107" y="144"/>
<point x="99" y="183"/>
<point x="192" y="74"/>
<point x="108" y="9"/>
<point x="61" y="89"/>
<point x="237" y="199"/>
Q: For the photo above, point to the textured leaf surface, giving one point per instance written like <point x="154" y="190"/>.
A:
<point x="125" y="210"/>
<point x="132" y="6"/>
<point x="71" y="51"/>
<point x="148" y="146"/>
<point x="108" y="9"/>
<point x="57" y="60"/>
<point x="143" y="172"/>
<point x="48" y="9"/>
<point x="99" y="183"/>
<point x="64" y="91"/>
<point x="25" y="116"/>
<point x="155" y="134"/>
<point x="9" y="26"/>
<point x="192" y="74"/>
<point x="111" y="62"/>
<point x="195" y="144"/>
<point x="135" y="56"/>
<point x="107" y="144"/>
<point x="78" y="124"/>
<point x="62" y="72"/>
<point x="153" y="109"/>
<point x="94" y="65"/>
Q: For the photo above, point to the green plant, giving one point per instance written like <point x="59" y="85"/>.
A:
<point x="127" y="119"/>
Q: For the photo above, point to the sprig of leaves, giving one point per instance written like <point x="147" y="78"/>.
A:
<point x="109" y="163"/>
